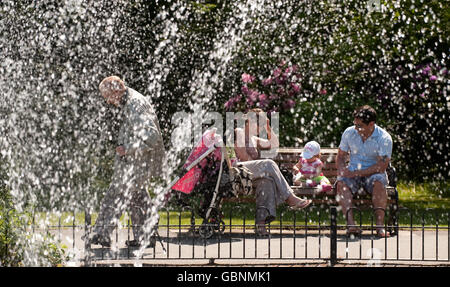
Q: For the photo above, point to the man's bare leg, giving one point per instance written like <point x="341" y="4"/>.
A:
<point x="345" y="200"/>
<point x="379" y="200"/>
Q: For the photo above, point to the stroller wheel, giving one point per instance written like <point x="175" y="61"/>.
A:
<point x="206" y="230"/>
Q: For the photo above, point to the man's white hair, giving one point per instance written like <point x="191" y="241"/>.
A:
<point x="111" y="84"/>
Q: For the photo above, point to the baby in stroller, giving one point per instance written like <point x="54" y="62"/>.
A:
<point x="205" y="182"/>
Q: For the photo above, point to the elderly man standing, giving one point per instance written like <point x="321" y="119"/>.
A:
<point x="139" y="158"/>
<point x="370" y="150"/>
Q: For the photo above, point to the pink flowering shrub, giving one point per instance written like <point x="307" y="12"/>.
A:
<point x="277" y="92"/>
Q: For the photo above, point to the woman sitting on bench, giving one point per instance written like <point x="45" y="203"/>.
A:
<point x="271" y="188"/>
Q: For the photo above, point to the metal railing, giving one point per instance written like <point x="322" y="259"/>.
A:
<point x="421" y="237"/>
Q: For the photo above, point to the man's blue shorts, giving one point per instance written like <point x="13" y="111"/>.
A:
<point x="359" y="185"/>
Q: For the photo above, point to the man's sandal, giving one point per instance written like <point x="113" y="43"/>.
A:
<point x="381" y="233"/>
<point x="353" y="231"/>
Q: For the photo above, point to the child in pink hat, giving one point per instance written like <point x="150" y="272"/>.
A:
<point x="308" y="170"/>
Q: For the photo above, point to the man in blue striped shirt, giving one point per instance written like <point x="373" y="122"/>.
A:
<point x="370" y="149"/>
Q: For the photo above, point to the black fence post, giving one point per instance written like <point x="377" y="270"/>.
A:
<point x="333" y="236"/>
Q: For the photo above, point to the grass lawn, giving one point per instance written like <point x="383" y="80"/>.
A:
<point x="425" y="196"/>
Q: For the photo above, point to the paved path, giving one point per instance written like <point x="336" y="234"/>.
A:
<point x="238" y="247"/>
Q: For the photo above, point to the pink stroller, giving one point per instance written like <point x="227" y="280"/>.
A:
<point x="206" y="174"/>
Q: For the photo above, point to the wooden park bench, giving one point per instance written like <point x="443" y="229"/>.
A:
<point x="288" y="157"/>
